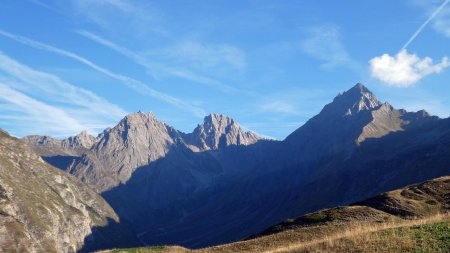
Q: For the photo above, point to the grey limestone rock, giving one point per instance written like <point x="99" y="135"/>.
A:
<point x="44" y="209"/>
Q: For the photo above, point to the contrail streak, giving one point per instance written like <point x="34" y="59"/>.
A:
<point x="425" y="24"/>
<point x="128" y="81"/>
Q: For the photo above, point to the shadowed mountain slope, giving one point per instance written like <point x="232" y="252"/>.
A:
<point x="220" y="184"/>
<point x="411" y="219"/>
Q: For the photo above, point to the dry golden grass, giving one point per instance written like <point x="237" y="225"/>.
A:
<point x="352" y="237"/>
<point x="425" y="235"/>
<point x="155" y="249"/>
<point x="390" y="236"/>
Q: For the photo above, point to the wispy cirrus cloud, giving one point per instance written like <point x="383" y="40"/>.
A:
<point x="36" y="116"/>
<point x="204" y="57"/>
<point x="42" y="103"/>
<point x="190" y="60"/>
<point x="132" y="83"/>
<point x="291" y="102"/>
<point x="131" y="17"/>
<point x="280" y="106"/>
<point x="45" y="5"/>
<point x="48" y="85"/>
<point x="324" y="43"/>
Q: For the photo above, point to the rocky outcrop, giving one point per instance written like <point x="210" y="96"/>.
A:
<point x="137" y="140"/>
<point x="386" y="120"/>
<point x="219" y="131"/>
<point x="82" y="140"/>
<point x="351" y="102"/>
<point x="43" y="209"/>
<point x="346" y="122"/>
<point x="72" y="146"/>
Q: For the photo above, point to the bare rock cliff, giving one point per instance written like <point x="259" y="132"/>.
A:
<point x="43" y="209"/>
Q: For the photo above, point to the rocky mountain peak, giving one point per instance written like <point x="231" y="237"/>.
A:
<point x="137" y="140"/>
<point x="138" y="118"/>
<point x="353" y="101"/>
<point x="424" y="113"/>
<point x="217" y="131"/>
<point x="41" y="140"/>
<point x="135" y="125"/>
<point x="81" y="140"/>
<point x="137" y="128"/>
<point x="359" y="98"/>
<point x="218" y="122"/>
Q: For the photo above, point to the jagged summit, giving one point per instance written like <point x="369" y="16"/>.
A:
<point x="215" y="131"/>
<point x="214" y="122"/>
<point x="361" y="87"/>
<point x="81" y="140"/>
<point x="137" y="118"/>
<point x="218" y="131"/>
<point x="71" y="146"/>
<point x="351" y="118"/>
<point x="140" y="139"/>
<point x="356" y="99"/>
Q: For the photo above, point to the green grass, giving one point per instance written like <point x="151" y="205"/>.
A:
<point x="432" y="238"/>
<point x="317" y="217"/>
<point x="325" y="216"/>
<point x="139" y="250"/>
<point x="419" y="238"/>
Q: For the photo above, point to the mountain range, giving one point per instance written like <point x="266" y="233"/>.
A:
<point x="220" y="183"/>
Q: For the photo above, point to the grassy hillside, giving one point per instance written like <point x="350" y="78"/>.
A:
<point x="412" y="219"/>
<point x="415" y="236"/>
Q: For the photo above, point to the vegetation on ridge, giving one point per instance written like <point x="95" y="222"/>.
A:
<point x="411" y="219"/>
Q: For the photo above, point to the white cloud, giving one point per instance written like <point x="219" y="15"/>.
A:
<point x="325" y="44"/>
<point x="404" y="69"/>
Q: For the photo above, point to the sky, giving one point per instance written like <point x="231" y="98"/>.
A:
<point x="73" y="65"/>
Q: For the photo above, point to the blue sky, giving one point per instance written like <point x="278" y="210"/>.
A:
<point x="71" y="65"/>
